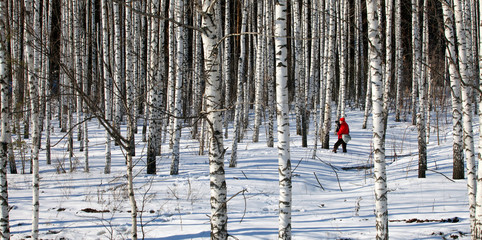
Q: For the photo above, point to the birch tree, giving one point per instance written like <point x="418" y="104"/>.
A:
<point x="376" y="73"/>
<point x="219" y="217"/>
<point x="107" y="84"/>
<point x="330" y="75"/>
<point x="270" y="61"/>
<point x="4" y="127"/>
<point x="238" y="110"/>
<point x="227" y="66"/>
<point x="477" y="232"/>
<point x="259" y="78"/>
<point x="343" y="56"/>
<point x="398" y="58"/>
<point x="416" y="57"/>
<point x="284" y="159"/>
<point x="154" y="90"/>
<point x="450" y="55"/>
<point x="422" y="89"/>
<point x="34" y="67"/>
<point x="466" y="76"/>
<point x="178" y="88"/>
<point x="298" y="60"/>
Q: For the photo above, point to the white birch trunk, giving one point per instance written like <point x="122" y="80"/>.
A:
<point x="5" y="128"/>
<point x="270" y="58"/>
<point x="450" y="55"/>
<point x="227" y="69"/>
<point x="78" y="71"/>
<point x="330" y="76"/>
<point x="259" y="72"/>
<point x="156" y="54"/>
<point x="343" y="55"/>
<point x="197" y="76"/>
<point x="284" y="159"/>
<point x="477" y="232"/>
<point x="130" y="78"/>
<point x="416" y="57"/>
<point x="107" y="84"/>
<point x="398" y="58"/>
<point x="298" y="61"/>
<point x="219" y="217"/>
<point x="34" y="66"/>
<point x="240" y="86"/>
<point x="468" y="140"/>
<point x="117" y="87"/>
<point x="178" y="89"/>
<point x="374" y="59"/>
<point x="422" y="88"/>
<point x="388" y="58"/>
<point x="171" y="88"/>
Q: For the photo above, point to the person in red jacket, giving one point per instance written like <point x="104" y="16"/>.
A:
<point x="343" y="129"/>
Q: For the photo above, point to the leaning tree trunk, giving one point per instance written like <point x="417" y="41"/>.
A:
<point x="219" y="216"/>
<point x="284" y="162"/>
<point x="374" y="60"/>
<point x="5" y="127"/>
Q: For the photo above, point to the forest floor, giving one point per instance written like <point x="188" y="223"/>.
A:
<point x="333" y="193"/>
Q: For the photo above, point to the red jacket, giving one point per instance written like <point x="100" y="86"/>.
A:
<point x="343" y="129"/>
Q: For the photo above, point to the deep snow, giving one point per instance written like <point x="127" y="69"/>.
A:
<point x="177" y="207"/>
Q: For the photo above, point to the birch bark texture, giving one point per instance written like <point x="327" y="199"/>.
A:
<point x="5" y="128"/>
<point x="238" y="110"/>
<point x="34" y="66"/>
<point x="451" y="58"/>
<point x="477" y="232"/>
<point x="466" y="75"/>
<point x="376" y="73"/>
<point x="213" y="96"/>
<point x="282" y="108"/>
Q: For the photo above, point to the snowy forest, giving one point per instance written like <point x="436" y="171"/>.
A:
<point x="158" y="119"/>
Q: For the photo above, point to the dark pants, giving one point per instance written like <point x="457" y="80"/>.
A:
<point x="342" y="143"/>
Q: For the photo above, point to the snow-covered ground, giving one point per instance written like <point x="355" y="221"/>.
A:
<point x="333" y="194"/>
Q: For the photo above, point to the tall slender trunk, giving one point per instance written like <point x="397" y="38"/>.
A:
<point x="240" y="86"/>
<point x="219" y="217"/>
<point x="107" y="84"/>
<point x="180" y="38"/>
<point x="416" y="57"/>
<point x="34" y="66"/>
<point x="330" y="76"/>
<point x="284" y="159"/>
<point x="398" y="58"/>
<point x="374" y="60"/>
<point x="4" y="125"/>
<point x="422" y="88"/>
<point x="477" y="232"/>
<point x="466" y="76"/>
<point x="259" y="78"/>
<point x="270" y="65"/>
